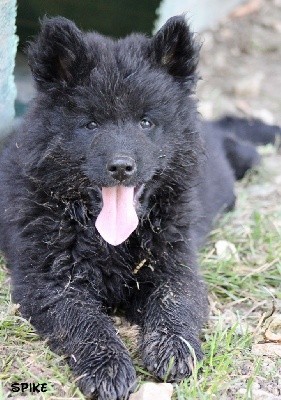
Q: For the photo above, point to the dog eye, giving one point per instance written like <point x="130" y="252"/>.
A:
<point x="145" y="123"/>
<point x="91" y="125"/>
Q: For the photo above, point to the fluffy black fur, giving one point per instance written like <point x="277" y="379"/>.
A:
<point x="65" y="277"/>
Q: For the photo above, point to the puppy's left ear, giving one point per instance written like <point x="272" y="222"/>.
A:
<point x="175" y="48"/>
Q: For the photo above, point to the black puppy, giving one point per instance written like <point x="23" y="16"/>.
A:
<point x="107" y="189"/>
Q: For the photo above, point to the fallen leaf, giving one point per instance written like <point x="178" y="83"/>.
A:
<point x="273" y="331"/>
<point x="226" y="250"/>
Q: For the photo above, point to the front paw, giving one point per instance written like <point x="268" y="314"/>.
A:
<point x="169" y="356"/>
<point x="107" y="376"/>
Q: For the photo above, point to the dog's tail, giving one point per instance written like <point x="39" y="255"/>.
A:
<point x="240" y="136"/>
<point x="251" y="130"/>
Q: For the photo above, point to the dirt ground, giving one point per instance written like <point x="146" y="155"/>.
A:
<point x="240" y="65"/>
<point x="241" y="75"/>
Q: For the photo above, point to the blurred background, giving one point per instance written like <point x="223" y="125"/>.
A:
<point x="241" y="51"/>
<point x="111" y="17"/>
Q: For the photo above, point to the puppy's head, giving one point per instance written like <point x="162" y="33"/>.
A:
<point x="116" y="115"/>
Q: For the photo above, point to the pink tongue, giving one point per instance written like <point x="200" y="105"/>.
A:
<point x="118" y="217"/>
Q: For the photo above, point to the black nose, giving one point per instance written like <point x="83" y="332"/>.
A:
<point x="121" y="168"/>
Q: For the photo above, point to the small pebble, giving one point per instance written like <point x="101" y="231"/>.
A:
<point x="153" y="391"/>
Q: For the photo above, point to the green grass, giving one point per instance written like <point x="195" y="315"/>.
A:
<point x="242" y="289"/>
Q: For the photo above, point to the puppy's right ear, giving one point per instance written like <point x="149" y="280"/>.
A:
<point x="58" y="56"/>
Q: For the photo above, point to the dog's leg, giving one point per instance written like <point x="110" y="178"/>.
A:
<point x="172" y="319"/>
<point x="73" y="320"/>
